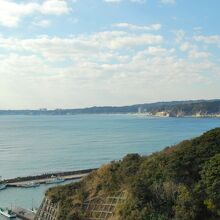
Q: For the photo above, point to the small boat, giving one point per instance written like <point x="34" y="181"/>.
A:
<point x="30" y="185"/>
<point x="54" y="180"/>
<point x="3" y="186"/>
<point x="7" y="213"/>
<point x="33" y="210"/>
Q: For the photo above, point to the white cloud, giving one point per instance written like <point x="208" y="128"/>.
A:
<point x="198" y="54"/>
<point x="213" y="39"/>
<point x="159" y="51"/>
<point x="12" y="12"/>
<point x="90" y="83"/>
<point x="103" y="68"/>
<point x="133" y="27"/>
<point x="57" y="7"/>
<point x="186" y="46"/>
<point x="82" y="45"/>
<point x="154" y="51"/>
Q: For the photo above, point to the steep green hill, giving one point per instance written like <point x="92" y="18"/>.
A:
<point x="181" y="182"/>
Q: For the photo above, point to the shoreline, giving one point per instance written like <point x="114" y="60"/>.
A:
<point x="147" y="114"/>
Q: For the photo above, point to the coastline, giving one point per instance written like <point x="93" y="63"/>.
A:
<point x="147" y="114"/>
<point x="185" y="108"/>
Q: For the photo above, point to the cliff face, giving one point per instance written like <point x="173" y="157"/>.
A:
<point x="181" y="182"/>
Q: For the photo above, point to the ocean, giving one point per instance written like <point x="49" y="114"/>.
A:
<point x="32" y="145"/>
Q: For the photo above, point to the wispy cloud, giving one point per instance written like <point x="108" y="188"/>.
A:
<point x="151" y="27"/>
<point x="109" y="40"/>
<point x="56" y="7"/>
<point x="211" y="39"/>
<point x="195" y="54"/>
<point x="186" y="46"/>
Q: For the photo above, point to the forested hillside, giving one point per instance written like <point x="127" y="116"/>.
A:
<point x="181" y="182"/>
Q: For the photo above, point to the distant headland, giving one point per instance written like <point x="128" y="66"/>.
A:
<point x="190" y="108"/>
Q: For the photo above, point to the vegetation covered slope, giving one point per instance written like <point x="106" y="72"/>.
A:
<point x="181" y="182"/>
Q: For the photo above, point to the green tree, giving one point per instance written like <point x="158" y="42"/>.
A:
<point x="185" y="207"/>
<point x="211" y="183"/>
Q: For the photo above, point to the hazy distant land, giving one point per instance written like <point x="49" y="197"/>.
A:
<point x="191" y="108"/>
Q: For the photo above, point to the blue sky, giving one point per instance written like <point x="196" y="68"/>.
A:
<point x="77" y="53"/>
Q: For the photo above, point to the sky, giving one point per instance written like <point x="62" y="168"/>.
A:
<point x="81" y="53"/>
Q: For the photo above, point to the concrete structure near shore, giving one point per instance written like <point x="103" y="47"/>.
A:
<point x="24" y="213"/>
<point x="44" y="178"/>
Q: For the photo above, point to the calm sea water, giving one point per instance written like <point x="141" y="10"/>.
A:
<point x="37" y="144"/>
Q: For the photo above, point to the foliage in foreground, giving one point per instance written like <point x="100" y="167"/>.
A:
<point x="181" y="182"/>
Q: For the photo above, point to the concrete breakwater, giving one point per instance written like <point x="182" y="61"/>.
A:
<point x="25" y="214"/>
<point x="43" y="178"/>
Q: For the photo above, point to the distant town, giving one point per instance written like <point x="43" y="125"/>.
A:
<point x="190" y="108"/>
